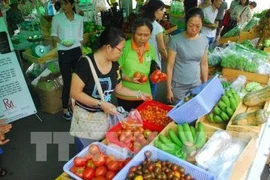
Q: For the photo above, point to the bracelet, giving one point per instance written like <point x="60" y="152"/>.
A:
<point x="99" y="103"/>
<point x="139" y="93"/>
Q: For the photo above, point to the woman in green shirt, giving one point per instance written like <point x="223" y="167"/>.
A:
<point x="137" y="57"/>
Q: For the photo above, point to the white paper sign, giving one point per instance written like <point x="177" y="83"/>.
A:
<point x="15" y="99"/>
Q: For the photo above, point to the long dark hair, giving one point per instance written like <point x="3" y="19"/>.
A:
<point x="151" y="7"/>
<point x="110" y="36"/>
<point x="141" y="21"/>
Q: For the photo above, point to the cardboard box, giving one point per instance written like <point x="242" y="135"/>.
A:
<point x="50" y="93"/>
<point x="247" y="36"/>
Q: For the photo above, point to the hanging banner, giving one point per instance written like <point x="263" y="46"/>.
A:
<point x="15" y="99"/>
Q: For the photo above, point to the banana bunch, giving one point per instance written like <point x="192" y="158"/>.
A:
<point x="186" y="140"/>
<point x="225" y="108"/>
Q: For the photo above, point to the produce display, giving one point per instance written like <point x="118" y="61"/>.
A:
<point x="134" y="139"/>
<point x="183" y="142"/>
<point x="157" y="169"/>
<point x="251" y="119"/>
<point x="226" y="84"/>
<point x="235" y="61"/>
<point x="225" y="108"/>
<point x="251" y="86"/>
<point x="256" y="97"/>
<point x="86" y="50"/>
<point x="97" y="164"/>
<point x="156" y="115"/>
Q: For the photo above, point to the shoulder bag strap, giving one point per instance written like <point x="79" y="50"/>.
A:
<point x="94" y="73"/>
<point x="243" y="11"/>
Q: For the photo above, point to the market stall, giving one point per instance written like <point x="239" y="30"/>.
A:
<point x="210" y="134"/>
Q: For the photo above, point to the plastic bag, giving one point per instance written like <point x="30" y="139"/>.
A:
<point x="133" y="120"/>
<point x="239" y="83"/>
<point x="115" y="119"/>
<point x="215" y="57"/>
<point x="219" y="154"/>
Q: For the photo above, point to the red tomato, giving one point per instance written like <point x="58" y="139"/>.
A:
<point x="136" y="75"/>
<point x="113" y="166"/>
<point x="78" y="171"/>
<point x="156" y="72"/>
<point x="101" y="171"/>
<point x="109" y="159"/>
<point x="88" y="173"/>
<point x="100" y="178"/>
<point x="154" y="78"/>
<point x="110" y="175"/>
<point x="99" y="160"/>
<point x="93" y="149"/>
<point x="143" y="79"/>
<point x="163" y="77"/>
<point x="121" y="164"/>
<point x="80" y="161"/>
<point x="127" y="161"/>
<point x="90" y="164"/>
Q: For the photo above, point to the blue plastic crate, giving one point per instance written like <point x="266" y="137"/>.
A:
<point x="207" y="95"/>
<point x="102" y="147"/>
<point x="195" y="171"/>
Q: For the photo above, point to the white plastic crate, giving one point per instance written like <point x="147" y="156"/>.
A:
<point x="193" y="170"/>
<point x="208" y="95"/>
<point x="102" y="147"/>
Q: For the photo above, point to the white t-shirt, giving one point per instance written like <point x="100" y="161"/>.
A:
<point x="211" y="16"/>
<point x="68" y="30"/>
<point x="157" y="28"/>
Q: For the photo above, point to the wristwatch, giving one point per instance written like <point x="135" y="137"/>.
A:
<point x="99" y="103"/>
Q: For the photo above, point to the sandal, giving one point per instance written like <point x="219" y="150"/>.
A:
<point x="3" y="172"/>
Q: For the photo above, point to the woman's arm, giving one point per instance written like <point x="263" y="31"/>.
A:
<point x="170" y="64"/>
<point x="120" y="89"/>
<point x="161" y="45"/>
<point x="204" y="67"/>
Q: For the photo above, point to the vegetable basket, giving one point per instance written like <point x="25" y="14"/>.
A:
<point x="209" y="94"/>
<point x="103" y="148"/>
<point x="195" y="171"/>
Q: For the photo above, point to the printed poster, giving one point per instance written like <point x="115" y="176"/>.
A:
<point x="15" y="99"/>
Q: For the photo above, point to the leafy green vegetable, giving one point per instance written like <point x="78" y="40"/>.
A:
<point x="251" y="67"/>
<point x="233" y="32"/>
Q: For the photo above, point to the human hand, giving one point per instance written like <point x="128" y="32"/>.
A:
<point x="108" y="108"/>
<point x="4" y="128"/>
<point x="2" y="139"/>
<point x="170" y="97"/>
<point x="145" y="97"/>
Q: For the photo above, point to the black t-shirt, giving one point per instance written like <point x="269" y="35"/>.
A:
<point x="108" y="81"/>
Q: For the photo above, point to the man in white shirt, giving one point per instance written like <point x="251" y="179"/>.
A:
<point x="210" y="13"/>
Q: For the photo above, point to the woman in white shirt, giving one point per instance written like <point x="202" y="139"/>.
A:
<point x="67" y="32"/>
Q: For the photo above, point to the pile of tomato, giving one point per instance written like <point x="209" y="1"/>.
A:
<point x="156" y="115"/>
<point x="158" y="76"/>
<point x="96" y="165"/>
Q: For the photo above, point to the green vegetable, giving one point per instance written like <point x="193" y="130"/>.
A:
<point x="206" y="21"/>
<point x="251" y="85"/>
<point x="251" y="67"/>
